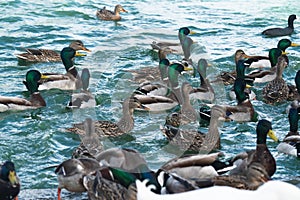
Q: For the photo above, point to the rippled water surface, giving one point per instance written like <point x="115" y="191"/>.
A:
<point x="35" y="139"/>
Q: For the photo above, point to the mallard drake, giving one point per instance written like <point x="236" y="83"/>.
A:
<point x="70" y="174"/>
<point x="269" y="190"/>
<point x="109" y="15"/>
<point x="261" y="154"/>
<point x="111" y="129"/>
<point x="47" y="55"/>
<point x="277" y="91"/>
<point x="192" y="140"/>
<point x="183" y="32"/>
<point x="291" y="142"/>
<point x="68" y="81"/>
<point x="9" y="181"/>
<point x="83" y="99"/>
<point x="35" y="101"/>
<point x="205" y="92"/>
<point x="158" y="103"/>
<point x="275" y="32"/>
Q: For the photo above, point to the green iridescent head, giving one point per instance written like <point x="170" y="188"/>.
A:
<point x="264" y="129"/>
<point x="32" y="78"/>
<point x="274" y="53"/>
<point x="67" y="55"/>
<point x="240" y="68"/>
<point x="174" y="70"/>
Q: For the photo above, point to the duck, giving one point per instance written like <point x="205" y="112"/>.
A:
<point x="192" y="140"/>
<point x="183" y="32"/>
<point x="68" y="81"/>
<point x="171" y="96"/>
<point x="277" y="91"/>
<point x="275" y="32"/>
<point x="205" y="92"/>
<point x="270" y="190"/>
<point x="90" y="145"/>
<point x="9" y="181"/>
<point x="16" y="103"/>
<point x="70" y="174"/>
<point x="261" y="154"/>
<point x="105" y="128"/>
<point x="47" y="55"/>
<point x="291" y="142"/>
<point x="108" y="15"/>
<point x="84" y="98"/>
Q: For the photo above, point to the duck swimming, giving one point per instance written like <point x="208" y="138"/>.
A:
<point x="47" y="55"/>
<point x="9" y="182"/>
<point x="274" y="32"/>
<point x="36" y="100"/>
<point x="68" y="81"/>
<point x="109" y="15"/>
<point x="277" y="91"/>
<point x="111" y="129"/>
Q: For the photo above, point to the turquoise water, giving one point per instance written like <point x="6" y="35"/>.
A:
<point x="35" y="139"/>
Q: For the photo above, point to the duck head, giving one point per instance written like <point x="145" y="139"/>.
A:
<point x="283" y="44"/>
<point x="264" y="128"/>
<point x="32" y="81"/>
<point x="8" y="173"/>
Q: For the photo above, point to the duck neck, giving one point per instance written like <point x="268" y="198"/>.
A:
<point x="126" y="123"/>
<point x="212" y="137"/>
<point x="293" y="120"/>
<point x="291" y="23"/>
<point x="37" y="100"/>
<point x="72" y="70"/>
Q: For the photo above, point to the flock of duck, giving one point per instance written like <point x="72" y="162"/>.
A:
<point x="121" y="173"/>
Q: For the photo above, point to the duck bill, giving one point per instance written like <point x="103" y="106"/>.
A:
<point x="295" y="44"/>
<point x="78" y="54"/>
<point x="192" y="32"/>
<point x="144" y="107"/>
<point x="248" y="86"/>
<point x="187" y="68"/>
<point x="272" y="135"/>
<point x="13" y="178"/>
<point x="123" y="10"/>
<point x="44" y="77"/>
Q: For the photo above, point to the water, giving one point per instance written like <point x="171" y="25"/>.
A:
<point x="35" y="139"/>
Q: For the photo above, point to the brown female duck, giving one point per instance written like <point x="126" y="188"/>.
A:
<point x="110" y="15"/>
<point x="47" y="55"/>
<point x="108" y="128"/>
